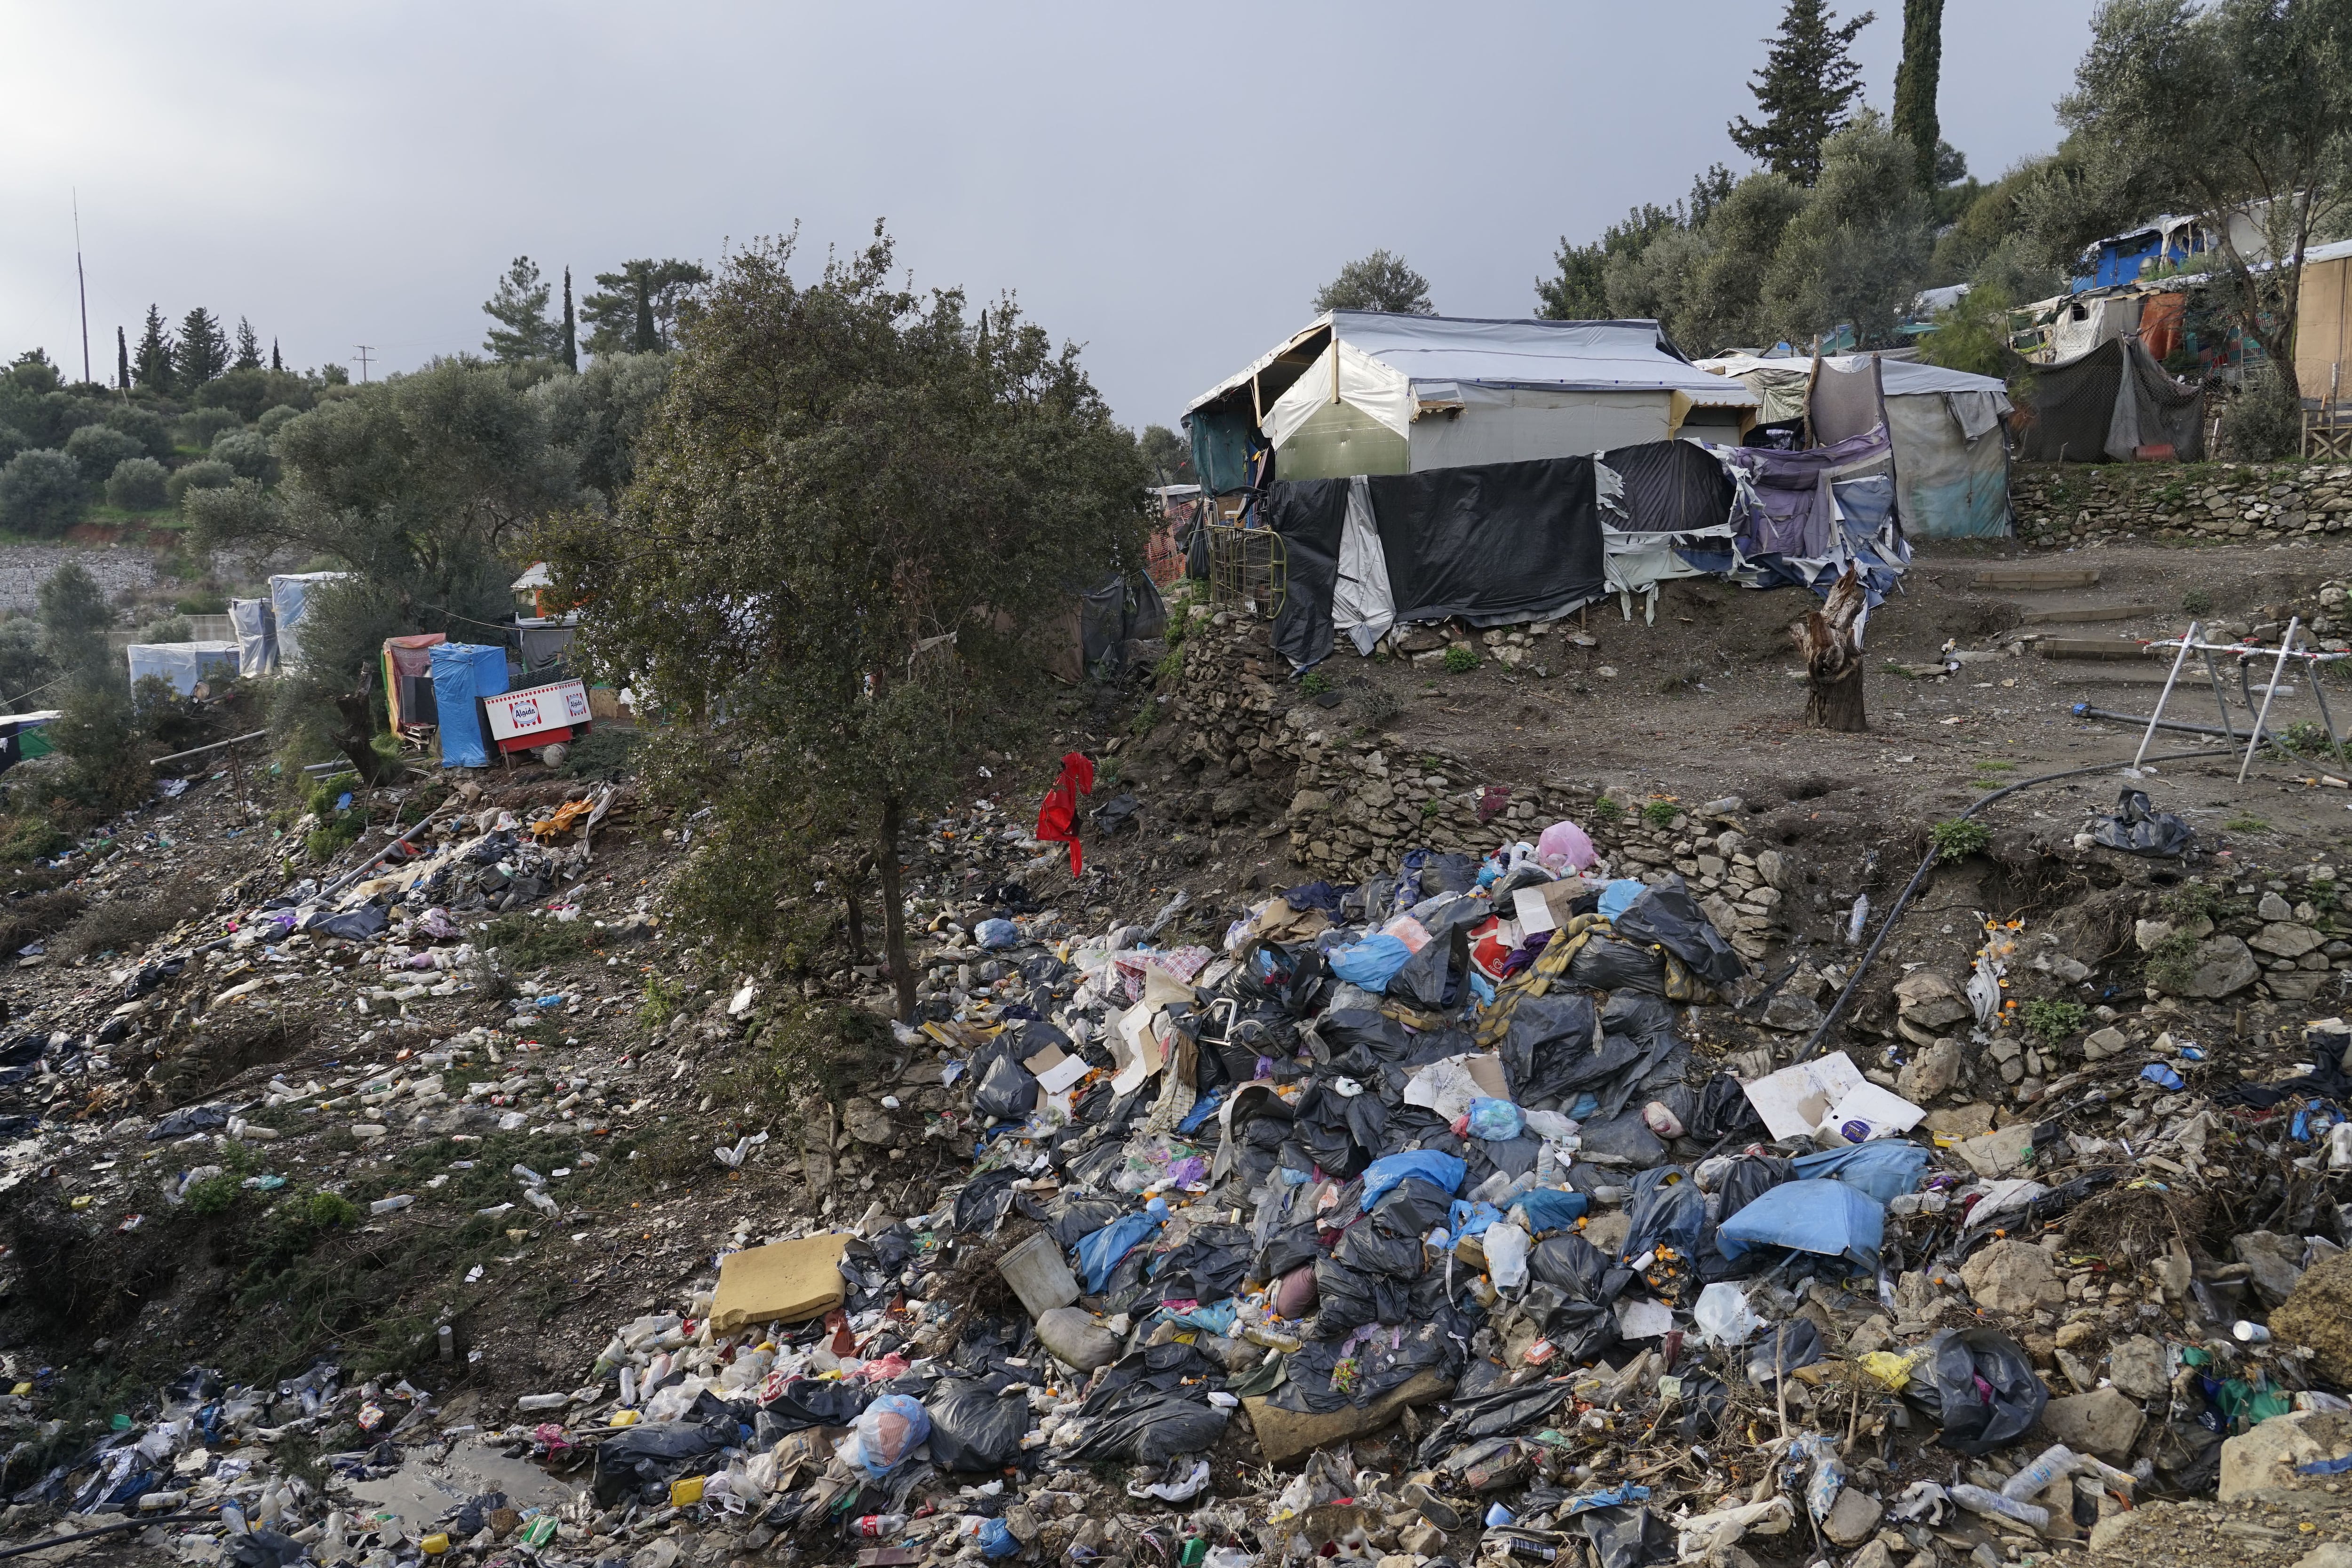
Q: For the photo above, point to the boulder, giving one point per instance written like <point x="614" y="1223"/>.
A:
<point x="2139" y="1366"/>
<point x="2000" y="1153"/>
<point x="1853" y="1518"/>
<point x="1791" y="1014"/>
<point x="1961" y="1121"/>
<point x="1932" y="1072"/>
<point x="2318" y="1312"/>
<point x="866" y="1122"/>
<point x="2283" y="941"/>
<point x="2012" y="1277"/>
<point x="1930" y="1001"/>
<point x="2221" y="966"/>
<point x="2273" y="908"/>
<point x="2106" y="1042"/>
<point x="2265" y="1459"/>
<point x="2103" y="1422"/>
<point x="2273" y="1263"/>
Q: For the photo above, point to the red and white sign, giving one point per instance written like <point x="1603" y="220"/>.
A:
<point x="545" y="712"/>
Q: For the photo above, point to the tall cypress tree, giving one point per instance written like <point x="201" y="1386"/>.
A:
<point x="248" y="346"/>
<point x="647" y="339"/>
<point x="1808" y="83"/>
<point x="1915" y="82"/>
<point x="204" y="347"/>
<point x="152" y="367"/>
<point x="275" y="363"/>
<point x="121" y="361"/>
<point x="571" y="327"/>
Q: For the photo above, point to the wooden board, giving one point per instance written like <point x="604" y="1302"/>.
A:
<point x="2090" y="647"/>
<point x="2036" y="577"/>
<point x="2052" y="615"/>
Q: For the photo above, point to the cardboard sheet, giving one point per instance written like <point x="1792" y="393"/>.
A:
<point x="1544" y="909"/>
<point x="1055" y="1069"/>
<point x="790" y="1282"/>
<point x="1793" y="1100"/>
<point x="1886" y="1112"/>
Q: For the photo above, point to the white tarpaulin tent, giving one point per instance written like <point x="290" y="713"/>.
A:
<point x="182" y="663"/>
<point x="1362" y="392"/>
<point x="255" y="623"/>
<point x="1951" y="465"/>
<point x="288" y="594"/>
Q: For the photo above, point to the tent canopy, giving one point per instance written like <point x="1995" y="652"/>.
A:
<point x="182" y="663"/>
<point x="463" y="672"/>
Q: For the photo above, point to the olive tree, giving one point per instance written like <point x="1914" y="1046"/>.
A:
<point x="855" y="528"/>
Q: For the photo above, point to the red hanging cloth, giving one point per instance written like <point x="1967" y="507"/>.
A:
<point x="1057" y="816"/>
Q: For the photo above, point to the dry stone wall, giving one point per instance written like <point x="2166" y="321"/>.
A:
<point x="2075" y="503"/>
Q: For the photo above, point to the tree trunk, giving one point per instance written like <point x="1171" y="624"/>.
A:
<point x="857" y="916"/>
<point x="1833" y="653"/>
<point x="358" y="739"/>
<point x="894" y="912"/>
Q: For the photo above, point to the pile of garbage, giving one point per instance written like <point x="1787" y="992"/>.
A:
<point x="1440" y="1216"/>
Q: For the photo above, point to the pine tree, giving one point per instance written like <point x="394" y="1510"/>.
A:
<point x="1808" y="83"/>
<point x="571" y="327"/>
<point x="1915" y="83"/>
<point x="645" y="343"/>
<point x="121" y="361"/>
<point x="520" y="306"/>
<point x="154" y="366"/>
<point x="248" y="346"/>
<point x="204" y="347"/>
<point x="275" y="363"/>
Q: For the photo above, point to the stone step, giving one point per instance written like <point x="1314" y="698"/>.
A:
<point x="2054" y="614"/>
<point x="2022" y="576"/>
<point x="2090" y="647"/>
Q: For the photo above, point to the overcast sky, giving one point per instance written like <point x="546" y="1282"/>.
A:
<point x="1168" y="186"/>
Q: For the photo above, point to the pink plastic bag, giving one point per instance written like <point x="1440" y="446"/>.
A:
<point x="1566" y="843"/>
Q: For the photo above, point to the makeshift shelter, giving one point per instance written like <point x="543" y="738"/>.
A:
<point x="1102" y="621"/>
<point x="255" y="624"/>
<point x="289" y="598"/>
<point x="1661" y="504"/>
<point x="24" y="736"/>
<point x="1363" y="392"/>
<point x="464" y="673"/>
<point x="1950" y="463"/>
<point x="184" y="664"/>
<point x="409" y="679"/>
<point x="2115" y="403"/>
<point x="2322" y="325"/>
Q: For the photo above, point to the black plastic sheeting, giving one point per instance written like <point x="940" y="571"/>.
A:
<point x="2140" y="828"/>
<point x="2073" y="407"/>
<point x="1671" y="487"/>
<point x="1493" y="544"/>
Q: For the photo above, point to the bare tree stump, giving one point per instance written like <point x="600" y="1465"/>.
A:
<point x="1828" y="639"/>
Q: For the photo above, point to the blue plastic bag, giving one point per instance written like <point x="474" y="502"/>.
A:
<point x="1466" y="1218"/>
<point x="1618" y="897"/>
<point x="996" y="934"/>
<point x="1886" y="1168"/>
<point x="1444" y="1171"/>
<point x="1496" y="1121"/>
<point x="887" y="1430"/>
<point x="996" y="1539"/>
<point x="1372" y="963"/>
<point x="1099" y="1253"/>
<point x="1547" y="1210"/>
<point x="1821" y="1216"/>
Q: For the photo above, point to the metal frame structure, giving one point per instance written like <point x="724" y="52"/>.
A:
<point x="1249" y="570"/>
<point x="2188" y="642"/>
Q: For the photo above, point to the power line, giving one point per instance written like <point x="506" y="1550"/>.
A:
<point x="365" y="350"/>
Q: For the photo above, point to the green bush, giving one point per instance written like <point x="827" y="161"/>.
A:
<point x="2196" y="602"/>
<point x="137" y="485"/>
<point x="1314" y="683"/>
<point x="198" y="428"/>
<point x="1607" y="809"/>
<point x="2261" y="424"/>
<point x="205" y="475"/>
<point x="1661" y="812"/>
<point x="532" y="942"/>
<point x="248" y="453"/>
<point x="143" y="425"/>
<point x="214" y="1194"/>
<point x="40" y="493"/>
<point x="273" y="419"/>
<point x="2052" y="1021"/>
<point x="99" y="449"/>
<point x="1461" y="658"/>
<point x="325" y="1209"/>
<point x="1958" y="839"/>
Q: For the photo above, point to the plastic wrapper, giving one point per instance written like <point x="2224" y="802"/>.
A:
<point x="1495" y="1119"/>
<point x="1724" y="1316"/>
<point x="1506" y="1256"/>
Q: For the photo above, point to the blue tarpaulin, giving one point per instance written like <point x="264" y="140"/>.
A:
<point x="1823" y="1216"/>
<point x="1439" y="1169"/>
<point x="1886" y="1168"/>
<point x="461" y="673"/>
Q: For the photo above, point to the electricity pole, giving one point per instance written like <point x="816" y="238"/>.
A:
<point x="82" y="285"/>
<point x="363" y="350"/>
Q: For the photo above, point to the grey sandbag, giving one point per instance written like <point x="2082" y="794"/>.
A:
<point x="1668" y="916"/>
<point x="973" y="1426"/>
<point x="1944" y="1387"/>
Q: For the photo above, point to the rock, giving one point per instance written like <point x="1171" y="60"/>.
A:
<point x="2149" y="936"/>
<point x="2223" y="966"/>
<point x="2328" y="1554"/>
<point x="2000" y="1153"/>
<point x="2273" y="1263"/>
<point x="1308" y="803"/>
<point x="2071" y="1336"/>
<point x="866" y="1122"/>
<point x="1791" y="1015"/>
<point x="2273" y="908"/>
<point x="2265" y="1459"/>
<point x="1932" y="1073"/>
<point x="2013" y="1276"/>
<point x="2139" y="1366"/>
<point x="1962" y="1121"/>
<point x="2104" y="1041"/>
<point x="1873" y="1334"/>
<point x="2318" y="1313"/>
<point x="1853" y="1518"/>
<point x="2103" y="1423"/>
<point x="1773" y="869"/>
<point x="1423" y="1539"/>
<point x="1930" y="1001"/>
<point x="2285" y="940"/>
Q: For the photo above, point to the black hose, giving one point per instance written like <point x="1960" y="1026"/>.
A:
<point x="140" y="1523"/>
<point x="1829" y="1021"/>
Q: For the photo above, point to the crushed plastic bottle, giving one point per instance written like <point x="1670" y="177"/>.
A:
<point x="1978" y="1499"/>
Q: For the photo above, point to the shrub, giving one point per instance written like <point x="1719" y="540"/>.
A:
<point x="248" y="453"/>
<point x="12" y="441"/>
<point x="99" y="448"/>
<point x="136" y="485"/>
<point x="1314" y="683"/>
<point x="1461" y="658"/>
<point x="1958" y="839"/>
<point x="199" y="428"/>
<point x="143" y="425"/>
<point x="1661" y="812"/>
<point x="532" y="942"/>
<point x="2196" y="602"/>
<point x="205" y="475"/>
<point x="40" y="493"/>
<point x="2171" y="963"/>
<point x="2052" y="1021"/>
<point x="214" y="1194"/>
<point x="1607" y="809"/>
<point x="2261" y="424"/>
<point x="273" y="419"/>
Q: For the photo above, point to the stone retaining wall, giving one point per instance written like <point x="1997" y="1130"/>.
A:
<point x="2063" y="503"/>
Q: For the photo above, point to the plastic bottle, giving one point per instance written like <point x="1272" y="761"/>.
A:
<point x="392" y="1204"/>
<point x="2057" y="1461"/>
<point x="878" y="1526"/>
<point x="2250" y="1333"/>
<point x="156" y="1503"/>
<point x="537" y="1198"/>
<point x="1977" y="1499"/>
<point x="542" y="1402"/>
<point x="1516" y="1547"/>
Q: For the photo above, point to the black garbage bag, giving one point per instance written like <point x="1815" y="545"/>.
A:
<point x="1448" y="873"/>
<point x="1978" y="1387"/>
<point x="1603" y="964"/>
<point x="1081" y="1217"/>
<point x="1347" y="1299"/>
<point x="1344" y="1028"/>
<point x="1627" y="1536"/>
<point x="657" y="1452"/>
<point x="1293" y="1247"/>
<point x="1370" y="1248"/>
<point x="1208" y="1266"/>
<point x="1514" y="1408"/>
<point x="974" y="1426"/>
<point x="1749" y="1179"/>
<point x="1723" y="1112"/>
<point x="1790" y="1345"/>
<point x="1668" y="916"/>
<point x="191" y="1118"/>
<point x="266" y="1549"/>
<point x="1701" y="1408"/>
<point x="1665" y="1209"/>
<point x="2138" y="827"/>
<point x="985" y="1200"/>
<point x="1382" y="1363"/>
<point x="1118" y="815"/>
<point x="805" y="1402"/>
<point x="1623" y="1137"/>
<point x="1007" y="1093"/>
<point x="1432" y="978"/>
<point x="1548" y="1044"/>
<point x="1412" y="1208"/>
<point x="1343" y="1132"/>
<point x="1153" y="1405"/>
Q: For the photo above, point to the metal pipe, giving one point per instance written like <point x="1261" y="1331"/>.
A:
<point x="216" y="745"/>
<point x="2165" y="695"/>
<point x="348" y="877"/>
<point x="2084" y="710"/>
<point x="2287" y="643"/>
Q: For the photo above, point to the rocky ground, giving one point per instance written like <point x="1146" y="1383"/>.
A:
<point x="562" y="1090"/>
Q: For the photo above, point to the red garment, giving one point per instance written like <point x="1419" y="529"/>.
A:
<point x="1057" y="817"/>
